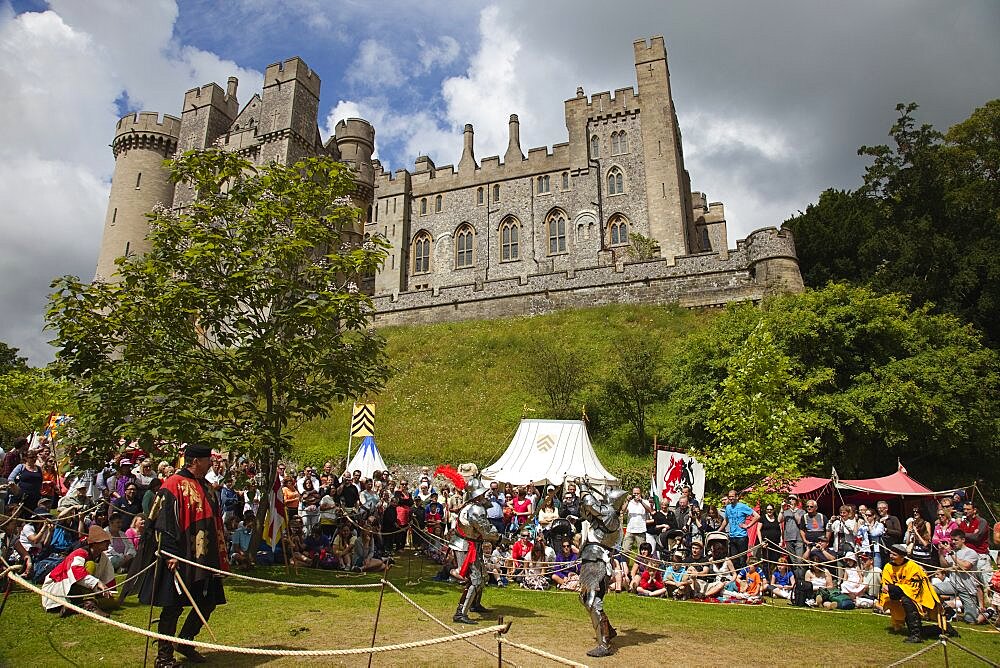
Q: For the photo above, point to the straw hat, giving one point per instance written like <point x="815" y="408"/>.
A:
<point x="97" y="535"/>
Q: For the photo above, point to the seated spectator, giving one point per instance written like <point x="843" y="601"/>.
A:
<point x="721" y="568"/>
<point x="782" y="579"/>
<point x="297" y="544"/>
<point x="239" y="551"/>
<point x="566" y="573"/>
<point x="84" y="570"/>
<point x="808" y="590"/>
<point x="651" y="583"/>
<point x="941" y="538"/>
<point x="343" y="548"/>
<point x="750" y="579"/>
<point x="35" y="535"/>
<point x="852" y="580"/>
<point x="697" y="573"/>
<point x="961" y="579"/>
<point x="150" y="494"/>
<point x="619" y="573"/>
<point x="122" y="550"/>
<point x="641" y="565"/>
<point x="547" y="512"/>
<point x="821" y="551"/>
<point x="134" y="532"/>
<point x="130" y="503"/>
<point x="675" y="577"/>
<point x="495" y="561"/>
<point x="364" y="550"/>
<point x="519" y="553"/>
<point x="534" y="569"/>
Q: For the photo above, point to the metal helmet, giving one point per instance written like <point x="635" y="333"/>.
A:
<point x="475" y="489"/>
<point x="617" y="498"/>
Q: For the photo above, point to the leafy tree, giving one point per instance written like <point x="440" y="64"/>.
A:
<point x="635" y="382"/>
<point x="27" y="397"/>
<point x="872" y="378"/>
<point x="643" y="247"/>
<point x="756" y="428"/>
<point x="243" y="320"/>
<point x="10" y="360"/>
<point x="925" y="222"/>
<point x="561" y="372"/>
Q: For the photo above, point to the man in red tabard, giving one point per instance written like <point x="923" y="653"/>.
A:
<point x="184" y="520"/>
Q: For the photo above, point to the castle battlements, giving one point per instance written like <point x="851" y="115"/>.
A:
<point x="293" y="69"/>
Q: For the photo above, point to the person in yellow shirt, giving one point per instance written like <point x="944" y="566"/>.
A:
<point x="908" y="595"/>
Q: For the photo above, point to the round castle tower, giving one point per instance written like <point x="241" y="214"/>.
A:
<point x="355" y="138"/>
<point x="142" y="142"/>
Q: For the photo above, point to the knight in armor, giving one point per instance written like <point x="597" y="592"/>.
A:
<point x="602" y="512"/>
<point x="473" y="527"/>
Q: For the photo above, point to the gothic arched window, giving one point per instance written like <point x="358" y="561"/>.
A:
<point x="616" y="181"/>
<point x="595" y="147"/>
<point x="422" y="253"/>
<point x="510" y="232"/>
<point x="464" y="242"/>
<point x="437" y="204"/>
<point x="555" y="223"/>
<point x="618" y="230"/>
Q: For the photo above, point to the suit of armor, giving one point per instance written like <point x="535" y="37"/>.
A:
<point x="603" y="534"/>
<point x="472" y="528"/>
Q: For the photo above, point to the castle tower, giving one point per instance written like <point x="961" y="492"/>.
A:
<point x="667" y="196"/>
<point x="289" y="109"/>
<point x="355" y="139"/>
<point x="142" y="142"/>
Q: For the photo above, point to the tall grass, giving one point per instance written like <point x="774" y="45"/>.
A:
<point x="459" y="390"/>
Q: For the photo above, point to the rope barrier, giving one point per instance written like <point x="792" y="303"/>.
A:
<point x="545" y="655"/>
<point x="258" y="651"/>
<point x="442" y="624"/>
<point x="280" y="583"/>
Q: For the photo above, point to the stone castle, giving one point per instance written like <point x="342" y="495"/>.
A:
<point x="556" y="229"/>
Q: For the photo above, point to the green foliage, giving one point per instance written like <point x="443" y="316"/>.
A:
<point x="635" y="382"/>
<point x="757" y="431"/>
<point x="643" y="247"/>
<point x="871" y="378"/>
<point x="27" y="397"/>
<point x="243" y="320"/>
<point x="926" y="222"/>
<point x="10" y="360"/>
<point x="562" y="373"/>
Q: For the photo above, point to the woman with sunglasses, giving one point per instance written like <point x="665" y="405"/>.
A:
<point x="567" y="570"/>
<point x="941" y="536"/>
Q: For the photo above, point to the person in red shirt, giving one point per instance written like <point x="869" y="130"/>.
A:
<point x="73" y="577"/>
<point x="519" y="551"/>
<point x="651" y="583"/>
<point x="977" y="538"/>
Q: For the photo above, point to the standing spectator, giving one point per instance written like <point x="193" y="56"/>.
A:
<point x="739" y="518"/>
<point x="570" y="507"/>
<point x="546" y="514"/>
<point x="711" y="520"/>
<point x="121" y="479"/>
<point x="494" y="513"/>
<point x="229" y="500"/>
<point x="770" y="536"/>
<point x="791" y="520"/>
<point x="144" y="475"/>
<point x="918" y="539"/>
<point x="842" y="530"/>
<point x="682" y="513"/>
<point x="25" y="481"/>
<point x="523" y="509"/>
<point x="392" y="535"/>
<point x="290" y="496"/>
<point x="309" y="506"/>
<point x="870" y="532"/>
<point x="893" y="528"/>
<point x="121" y="550"/>
<point x="976" y="531"/>
<point x="812" y="526"/>
<point x="635" y="512"/>
<point x="945" y="524"/>
<point x="308" y="473"/>
<point x="14" y="456"/>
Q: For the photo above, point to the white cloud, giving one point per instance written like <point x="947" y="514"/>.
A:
<point x="62" y="71"/>
<point x="376" y="65"/>
<point x="438" y="55"/>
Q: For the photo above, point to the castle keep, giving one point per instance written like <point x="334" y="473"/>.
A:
<point x="522" y="235"/>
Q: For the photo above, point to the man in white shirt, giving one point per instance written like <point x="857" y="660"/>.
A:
<point x="962" y="581"/>
<point x="307" y="472"/>
<point x="635" y="514"/>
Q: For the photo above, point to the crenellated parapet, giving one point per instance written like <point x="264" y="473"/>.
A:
<point x="146" y="130"/>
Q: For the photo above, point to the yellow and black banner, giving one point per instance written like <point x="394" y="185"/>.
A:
<point x="363" y="421"/>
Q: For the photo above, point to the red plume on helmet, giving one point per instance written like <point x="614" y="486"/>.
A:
<point x="451" y="474"/>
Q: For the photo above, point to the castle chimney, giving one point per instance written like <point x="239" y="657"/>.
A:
<point x="514" y="145"/>
<point x="231" y="87"/>
<point x="468" y="161"/>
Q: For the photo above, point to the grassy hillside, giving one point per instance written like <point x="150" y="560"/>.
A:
<point x="459" y="389"/>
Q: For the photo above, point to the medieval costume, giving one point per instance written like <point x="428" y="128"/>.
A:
<point x="908" y="595"/>
<point x="184" y="520"/>
<point x="85" y="569"/>
<point x="603" y="534"/>
<point x="472" y="528"/>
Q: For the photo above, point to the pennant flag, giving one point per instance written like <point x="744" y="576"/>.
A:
<point x="275" y="515"/>
<point x="363" y="421"/>
<point x="900" y="468"/>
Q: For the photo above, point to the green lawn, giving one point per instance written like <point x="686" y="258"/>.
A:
<point x="651" y="632"/>
<point x="460" y="389"/>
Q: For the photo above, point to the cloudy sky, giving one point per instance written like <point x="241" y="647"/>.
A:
<point x="773" y="97"/>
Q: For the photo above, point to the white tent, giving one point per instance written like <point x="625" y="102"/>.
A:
<point x="367" y="459"/>
<point x="548" y="452"/>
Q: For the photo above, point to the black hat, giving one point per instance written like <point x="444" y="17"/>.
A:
<point x="193" y="451"/>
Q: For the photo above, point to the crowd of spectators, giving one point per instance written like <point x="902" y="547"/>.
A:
<point x="686" y="550"/>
